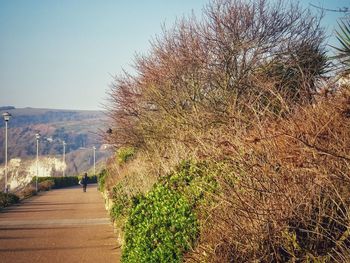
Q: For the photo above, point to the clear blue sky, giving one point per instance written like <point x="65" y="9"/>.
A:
<point x="62" y="53"/>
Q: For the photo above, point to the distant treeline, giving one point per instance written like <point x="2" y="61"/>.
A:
<point x="3" y="108"/>
<point x="24" y="118"/>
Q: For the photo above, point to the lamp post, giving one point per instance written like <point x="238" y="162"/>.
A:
<point x="7" y="117"/>
<point x="64" y="157"/>
<point x="94" y="148"/>
<point x="37" y="136"/>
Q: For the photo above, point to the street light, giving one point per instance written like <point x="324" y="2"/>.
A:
<point x="37" y="136"/>
<point x="64" y="157"/>
<point x="7" y="117"/>
<point x="94" y="148"/>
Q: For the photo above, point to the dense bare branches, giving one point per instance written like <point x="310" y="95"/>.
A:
<point x="210" y="68"/>
<point x="284" y="195"/>
<point x="238" y="89"/>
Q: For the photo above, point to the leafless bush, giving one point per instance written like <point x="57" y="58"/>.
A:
<point x="201" y="74"/>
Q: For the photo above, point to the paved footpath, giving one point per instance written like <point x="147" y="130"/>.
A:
<point x="64" y="225"/>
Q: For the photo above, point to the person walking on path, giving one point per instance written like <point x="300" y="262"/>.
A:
<point x="85" y="181"/>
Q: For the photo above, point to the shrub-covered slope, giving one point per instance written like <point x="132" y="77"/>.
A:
<point x="242" y="93"/>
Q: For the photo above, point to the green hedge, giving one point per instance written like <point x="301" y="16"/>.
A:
<point x="59" y="182"/>
<point x="160" y="228"/>
<point x="92" y="179"/>
<point x="7" y="199"/>
<point x="162" y="225"/>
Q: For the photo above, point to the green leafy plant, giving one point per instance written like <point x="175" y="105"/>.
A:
<point x="162" y="224"/>
<point x="121" y="202"/>
<point x="101" y="179"/>
<point x="125" y="154"/>
<point x="193" y="179"/>
<point x="160" y="228"/>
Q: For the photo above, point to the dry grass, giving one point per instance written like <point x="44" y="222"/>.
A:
<point x="28" y="192"/>
<point x="141" y="172"/>
<point x="285" y="196"/>
<point x="45" y="185"/>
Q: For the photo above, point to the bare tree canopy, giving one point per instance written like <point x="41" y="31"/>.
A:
<point x="216" y="67"/>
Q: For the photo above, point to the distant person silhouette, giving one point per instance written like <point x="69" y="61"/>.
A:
<point x="84" y="181"/>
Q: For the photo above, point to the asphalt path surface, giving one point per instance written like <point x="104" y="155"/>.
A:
<point x="65" y="225"/>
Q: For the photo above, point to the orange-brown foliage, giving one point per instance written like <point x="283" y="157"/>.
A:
<point x="238" y="88"/>
<point x="286" y="193"/>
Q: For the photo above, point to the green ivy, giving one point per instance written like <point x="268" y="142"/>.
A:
<point x="193" y="180"/>
<point x="160" y="228"/>
<point x="58" y="182"/>
<point x="121" y="202"/>
<point x="162" y="225"/>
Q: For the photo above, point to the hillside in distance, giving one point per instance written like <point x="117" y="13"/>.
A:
<point x="78" y="128"/>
